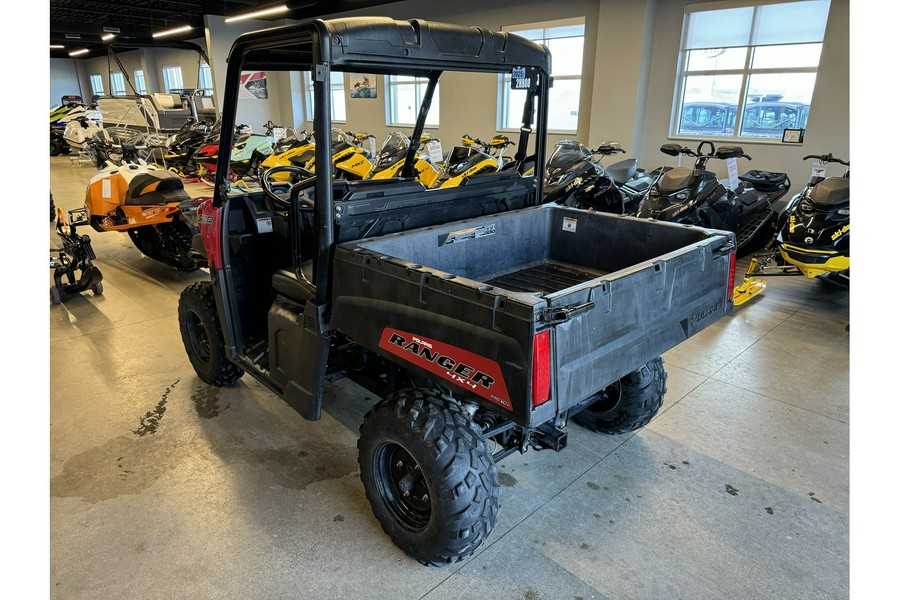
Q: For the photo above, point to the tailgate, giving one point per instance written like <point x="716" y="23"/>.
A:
<point x="608" y="327"/>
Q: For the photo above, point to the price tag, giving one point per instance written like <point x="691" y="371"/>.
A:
<point x="818" y="170"/>
<point x="733" y="181"/>
<point x="435" y="152"/>
<point x="522" y="80"/>
<point x="372" y="147"/>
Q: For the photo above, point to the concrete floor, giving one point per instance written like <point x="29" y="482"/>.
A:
<point x="164" y="487"/>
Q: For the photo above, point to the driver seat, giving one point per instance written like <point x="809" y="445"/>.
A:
<point x="287" y="283"/>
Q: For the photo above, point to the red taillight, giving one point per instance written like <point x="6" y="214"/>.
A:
<point x="731" y="259"/>
<point x="540" y="369"/>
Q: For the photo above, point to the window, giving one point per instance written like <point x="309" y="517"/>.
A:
<point x="117" y="83"/>
<point x="172" y="78"/>
<point x="338" y="101"/>
<point x="206" y="83"/>
<point x="139" y="83"/>
<point x="565" y="38"/>
<point x="97" y="84"/>
<point x="748" y="72"/>
<point x="404" y="97"/>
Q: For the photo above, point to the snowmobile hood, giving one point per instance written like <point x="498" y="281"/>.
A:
<point x="675" y="179"/>
<point x="831" y="192"/>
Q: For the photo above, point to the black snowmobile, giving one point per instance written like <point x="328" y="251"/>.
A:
<point x="574" y="178"/>
<point x="695" y="196"/>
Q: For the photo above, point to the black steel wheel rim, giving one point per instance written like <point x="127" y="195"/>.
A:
<point x="608" y="399"/>
<point x="402" y="486"/>
<point x="197" y="337"/>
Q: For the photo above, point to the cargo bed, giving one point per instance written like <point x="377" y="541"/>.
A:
<point x="614" y="291"/>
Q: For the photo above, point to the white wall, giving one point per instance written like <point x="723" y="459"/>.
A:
<point x="828" y="127"/>
<point x="278" y="107"/>
<point x="63" y="79"/>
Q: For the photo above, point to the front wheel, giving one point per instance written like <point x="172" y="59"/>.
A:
<point x="429" y="476"/>
<point x="628" y="404"/>
<point x="202" y="335"/>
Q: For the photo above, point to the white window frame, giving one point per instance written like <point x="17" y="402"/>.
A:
<point x="505" y="79"/>
<point x="140" y="83"/>
<point x="337" y="87"/>
<point x="167" y="83"/>
<point x="745" y="73"/>
<point x="420" y="83"/>
<point x="97" y="84"/>
<point x="113" y="77"/>
<point x="207" y="90"/>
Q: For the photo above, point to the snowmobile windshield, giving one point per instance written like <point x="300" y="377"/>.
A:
<point x="394" y="149"/>
<point x="566" y="154"/>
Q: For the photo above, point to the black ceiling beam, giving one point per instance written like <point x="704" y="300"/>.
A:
<point x="136" y="11"/>
<point x="63" y="27"/>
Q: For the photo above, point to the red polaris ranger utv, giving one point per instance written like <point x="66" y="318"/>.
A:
<point x="476" y="313"/>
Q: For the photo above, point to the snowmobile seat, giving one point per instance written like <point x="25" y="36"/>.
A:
<point x="155" y="187"/>
<point x="764" y="181"/>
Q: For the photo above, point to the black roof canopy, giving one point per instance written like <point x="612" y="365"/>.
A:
<point x="385" y="45"/>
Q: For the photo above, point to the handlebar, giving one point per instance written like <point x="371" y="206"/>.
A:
<point x="607" y="149"/>
<point x="827" y="158"/>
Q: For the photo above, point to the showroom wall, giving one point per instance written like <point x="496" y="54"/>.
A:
<point x="828" y="127"/>
<point x="628" y="85"/>
<point x="63" y="79"/>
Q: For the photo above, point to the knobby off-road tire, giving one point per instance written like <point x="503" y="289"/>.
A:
<point x="628" y="404"/>
<point x="429" y="476"/>
<point x="202" y="335"/>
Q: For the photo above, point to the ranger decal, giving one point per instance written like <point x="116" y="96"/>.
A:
<point x="468" y="370"/>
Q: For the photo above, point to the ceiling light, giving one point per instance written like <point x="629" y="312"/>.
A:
<point x="107" y="36"/>
<point x="56" y="47"/>
<point x="172" y="31"/>
<point x="274" y="10"/>
<point x="78" y="52"/>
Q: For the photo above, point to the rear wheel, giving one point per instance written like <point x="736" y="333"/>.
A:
<point x="429" y="476"/>
<point x="202" y="335"/>
<point x="55" y="147"/>
<point x="628" y="404"/>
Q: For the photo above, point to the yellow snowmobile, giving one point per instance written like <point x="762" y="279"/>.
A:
<point x="813" y="235"/>
<point x="473" y="157"/>
<point x="390" y="159"/>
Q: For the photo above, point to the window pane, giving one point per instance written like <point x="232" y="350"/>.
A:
<point x="338" y="105"/>
<point x="405" y="104"/>
<point x="433" y="118"/>
<point x="784" y="57"/>
<point x="567" y="55"/>
<point x="119" y="84"/>
<point x="719" y="28"/>
<point x="709" y="105"/>
<point x="563" y="105"/>
<point x="712" y="88"/>
<point x="791" y="22"/>
<point x="775" y="102"/>
<point x="515" y="107"/>
<point x="139" y="84"/>
<point x="716" y="59"/>
<point x="97" y="85"/>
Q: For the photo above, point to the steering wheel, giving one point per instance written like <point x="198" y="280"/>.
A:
<point x="283" y="200"/>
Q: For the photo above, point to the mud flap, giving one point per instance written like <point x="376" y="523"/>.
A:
<point x="306" y="385"/>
